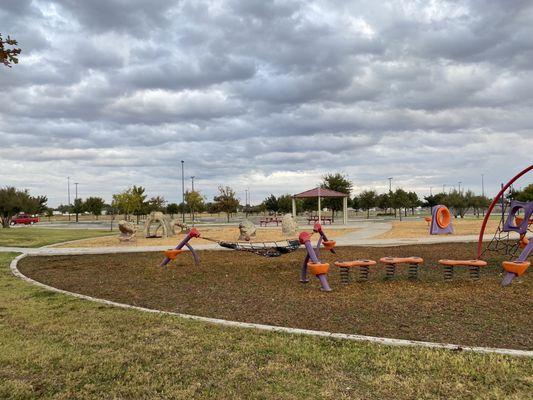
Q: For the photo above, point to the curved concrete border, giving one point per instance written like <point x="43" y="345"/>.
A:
<point x="273" y="328"/>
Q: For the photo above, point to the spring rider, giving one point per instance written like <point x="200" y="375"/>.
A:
<point x="441" y="221"/>
<point x="172" y="253"/>
<point x="311" y="259"/>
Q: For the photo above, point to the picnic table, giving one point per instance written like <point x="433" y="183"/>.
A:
<point x="314" y="218"/>
<point x="269" y="220"/>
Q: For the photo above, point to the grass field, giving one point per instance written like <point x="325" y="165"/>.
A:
<point x="419" y="228"/>
<point x="245" y="287"/>
<point x="55" y="346"/>
<point x="37" y="237"/>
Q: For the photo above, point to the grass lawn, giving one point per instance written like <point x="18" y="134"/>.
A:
<point x="56" y="346"/>
<point x="245" y="287"/>
<point x="37" y="237"/>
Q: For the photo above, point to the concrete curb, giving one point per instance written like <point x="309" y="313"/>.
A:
<point x="272" y="328"/>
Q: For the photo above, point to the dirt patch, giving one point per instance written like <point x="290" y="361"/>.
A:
<point x="420" y="228"/>
<point x="224" y="234"/>
<point x="245" y="287"/>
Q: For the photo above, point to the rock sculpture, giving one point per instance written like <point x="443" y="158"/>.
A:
<point x="127" y="231"/>
<point x="247" y="230"/>
<point x="157" y="225"/>
<point x="288" y="225"/>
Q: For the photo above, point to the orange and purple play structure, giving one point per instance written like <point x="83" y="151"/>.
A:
<point x="171" y="254"/>
<point x="512" y="223"/>
<point x="311" y="260"/>
<point x="441" y="221"/>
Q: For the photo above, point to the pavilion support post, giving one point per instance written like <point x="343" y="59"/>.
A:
<point x="294" y="208"/>
<point x="345" y="210"/>
<point x="319" y="211"/>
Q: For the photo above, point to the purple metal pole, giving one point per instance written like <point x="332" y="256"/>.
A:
<point x="185" y="242"/>
<point x="305" y="238"/>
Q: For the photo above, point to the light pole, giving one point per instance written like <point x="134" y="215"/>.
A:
<point x="390" y="196"/>
<point x="68" y="194"/>
<point x="482" y="185"/>
<point x="76" y="198"/>
<point x="430" y="191"/>
<point x="192" y="207"/>
<point x="246" y="203"/>
<point x="182" y="192"/>
<point x="459" y="186"/>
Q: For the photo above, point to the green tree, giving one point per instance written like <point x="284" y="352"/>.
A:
<point x="383" y="201"/>
<point x="285" y="203"/>
<point x="339" y="183"/>
<point x="172" y="209"/>
<point x="13" y="201"/>
<point x="525" y="194"/>
<point x="49" y="213"/>
<point x="434" y="200"/>
<point x="226" y="200"/>
<point x="271" y="203"/>
<point x="156" y="203"/>
<point x="458" y="202"/>
<point x="399" y="200"/>
<point x="140" y="205"/>
<point x="8" y="55"/>
<point x="367" y="200"/>
<point x="194" y="201"/>
<point x="413" y="201"/>
<point x="94" y="205"/>
<point x="78" y="207"/>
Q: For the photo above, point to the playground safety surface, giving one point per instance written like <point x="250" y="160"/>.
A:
<point x="244" y="287"/>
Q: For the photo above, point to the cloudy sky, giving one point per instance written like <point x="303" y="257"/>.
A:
<point x="266" y="95"/>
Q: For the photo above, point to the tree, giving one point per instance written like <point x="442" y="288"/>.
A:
<point x="156" y="203"/>
<point x="131" y="201"/>
<point x="172" y="209"/>
<point x="49" y="213"/>
<point x="367" y="200"/>
<point x="271" y="203"/>
<point x="194" y="201"/>
<point x="399" y="200"/>
<point x="339" y="183"/>
<point x="458" y="202"/>
<point x="285" y="203"/>
<point x="383" y="201"/>
<point x="13" y="201"/>
<point x="526" y="194"/>
<point x="8" y="55"/>
<point x="434" y="200"/>
<point x="78" y="207"/>
<point x="413" y="201"/>
<point x="140" y="206"/>
<point x="94" y="205"/>
<point x="226" y="200"/>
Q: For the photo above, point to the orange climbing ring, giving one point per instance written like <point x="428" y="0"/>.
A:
<point x="443" y="217"/>
<point x="318" y="269"/>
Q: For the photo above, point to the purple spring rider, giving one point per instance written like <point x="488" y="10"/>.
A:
<point x="171" y="254"/>
<point x="311" y="260"/>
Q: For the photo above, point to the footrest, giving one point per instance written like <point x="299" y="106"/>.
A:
<point x="318" y="269"/>
<point x="516" y="267"/>
<point x="355" y="263"/>
<point x="401" y="260"/>
<point x="463" y="263"/>
<point x="172" y="253"/>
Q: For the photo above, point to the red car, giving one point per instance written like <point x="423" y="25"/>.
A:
<point x="23" y="219"/>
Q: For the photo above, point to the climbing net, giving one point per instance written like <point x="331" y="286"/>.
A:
<point x="264" y="249"/>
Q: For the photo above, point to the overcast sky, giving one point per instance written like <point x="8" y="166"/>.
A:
<point x="266" y="95"/>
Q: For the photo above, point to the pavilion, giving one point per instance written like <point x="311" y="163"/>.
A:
<point x="319" y="193"/>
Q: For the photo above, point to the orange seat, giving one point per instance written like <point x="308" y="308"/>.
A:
<point x="329" y="244"/>
<point x="469" y="263"/>
<point x="355" y="263"/>
<point x="172" y="253"/>
<point x="401" y="260"/>
<point x="427" y="219"/>
<point x="524" y="241"/>
<point x="516" y="267"/>
<point x="318" y="269"/>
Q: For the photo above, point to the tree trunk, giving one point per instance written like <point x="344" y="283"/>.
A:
<point x="77" y="217"/>
<point x="367" y="213"/>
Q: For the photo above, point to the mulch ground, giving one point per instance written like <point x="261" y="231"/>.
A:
<point x="245" y="287"/>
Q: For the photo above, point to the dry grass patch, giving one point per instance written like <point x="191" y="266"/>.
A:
<point x="219" y="233"/>
<point x="245" y="287"/>
<point x="419" y="228"/>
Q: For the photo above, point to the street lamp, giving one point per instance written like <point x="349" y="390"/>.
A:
<point x="192" y="207"/>
<point x="182" y="192"/>
<point x="68" y="193"/>
<point x="75" y="199"/>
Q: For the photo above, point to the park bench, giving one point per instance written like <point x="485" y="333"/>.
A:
<point x="314" y="218"/>
<point x="269" y="220"/>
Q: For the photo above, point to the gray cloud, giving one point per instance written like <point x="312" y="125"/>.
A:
<point x="268" y="95"/>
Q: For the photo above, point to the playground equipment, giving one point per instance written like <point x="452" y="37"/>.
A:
<point x="173" y="253"/>
<point x="311" y="260"/>
<point x="504" y="240"/>
<point x="473" y="265"/>
<point x="392" y="262"/>
<point x="441" y="221"/>
<point x="346" y="266"/>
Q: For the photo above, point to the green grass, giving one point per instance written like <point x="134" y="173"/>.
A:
<point x="56" y="346"/>
<point x="37" y="237"/>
